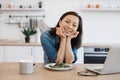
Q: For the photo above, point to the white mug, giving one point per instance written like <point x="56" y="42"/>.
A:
<point x="26" y="66"/>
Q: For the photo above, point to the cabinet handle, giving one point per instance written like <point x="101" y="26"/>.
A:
<point x="31" y="51"/>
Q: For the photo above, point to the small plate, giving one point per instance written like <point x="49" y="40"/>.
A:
<point x="58" y="69"/>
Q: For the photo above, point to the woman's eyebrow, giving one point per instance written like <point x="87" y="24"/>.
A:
<point x="74" y="22"/>
<point x="70" y="20"/>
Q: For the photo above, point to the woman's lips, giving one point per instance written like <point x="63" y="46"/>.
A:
<point x="68" y="30"/>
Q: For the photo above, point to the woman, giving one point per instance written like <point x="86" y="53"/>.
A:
<point x="60" y="44"/>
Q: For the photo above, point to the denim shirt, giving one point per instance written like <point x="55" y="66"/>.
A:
<point x="50" y="44"/>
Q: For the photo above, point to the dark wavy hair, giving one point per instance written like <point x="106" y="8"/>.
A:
<point x="75" y="42"/>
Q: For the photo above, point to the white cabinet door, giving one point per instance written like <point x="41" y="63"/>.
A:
<point x="39" y="57"/>
<point x="80" y="55"/>
<point x="16" y="53"/>
<point x="1" y="53"/>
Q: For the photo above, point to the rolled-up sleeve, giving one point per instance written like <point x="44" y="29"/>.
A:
<point x="48" y="47"/>
<point x="75" y="54"/>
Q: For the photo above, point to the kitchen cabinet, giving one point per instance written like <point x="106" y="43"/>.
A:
<point x="16" y="53"/>
<point x="80" y="55"/>
<point x="0" y="18"/>
<point x="35" y="53"/>
<point x="39" y="54"/>
<point x="1" y="53"/>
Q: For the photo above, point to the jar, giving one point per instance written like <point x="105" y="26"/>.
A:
<point x="20" y="6"/>
<point x="0" y="6"/>
<point x="97" y="5"/>
<point x="10" y="5"/>
<point x="89" y="6"/>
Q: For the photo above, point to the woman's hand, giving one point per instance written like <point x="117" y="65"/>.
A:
<point x="73" y="35"/>
<point x="60" y="33"/>
<point x="70" y="33"/>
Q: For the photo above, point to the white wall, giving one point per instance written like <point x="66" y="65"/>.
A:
<point x="55" y="8"/>
<point x="101" y="27"/>
<point x="98" y="27"/>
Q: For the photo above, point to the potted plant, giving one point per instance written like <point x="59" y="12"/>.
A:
<point x="40" y="4"/>
<point x="28" y="32"/>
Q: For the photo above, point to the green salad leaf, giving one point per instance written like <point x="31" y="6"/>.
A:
<point x="61" y="65"/>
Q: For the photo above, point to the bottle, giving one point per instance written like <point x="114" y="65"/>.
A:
<point x="0" y="6"/>
<point x="40" y="4"/>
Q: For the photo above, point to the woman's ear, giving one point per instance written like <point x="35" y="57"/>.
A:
<point x="59" y="22"/>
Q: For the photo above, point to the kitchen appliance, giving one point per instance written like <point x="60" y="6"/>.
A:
<point x="95" y="54"/>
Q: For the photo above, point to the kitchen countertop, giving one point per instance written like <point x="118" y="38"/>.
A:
<point x="19" y="44"/>
<point x="99" y="44"/>
<point x="41" y="73"/>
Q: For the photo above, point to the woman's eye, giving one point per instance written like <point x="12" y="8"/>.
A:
<point x="67" y="21"/>
<point x="74" y="25"/>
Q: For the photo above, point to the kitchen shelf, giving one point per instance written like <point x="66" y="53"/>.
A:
<point x="100" y="9"/>
<point x="101" y="5"/>
<point x="22" y="9"/>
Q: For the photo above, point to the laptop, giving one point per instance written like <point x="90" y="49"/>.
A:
<point x="112" y="62"/>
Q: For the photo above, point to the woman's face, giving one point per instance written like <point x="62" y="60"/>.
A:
<point x="69" y="23"/>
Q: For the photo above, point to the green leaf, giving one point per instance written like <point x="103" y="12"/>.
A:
<point x="28" y="31"/>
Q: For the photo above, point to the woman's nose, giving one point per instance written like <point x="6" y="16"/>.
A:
<point x="70" y="26"/>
